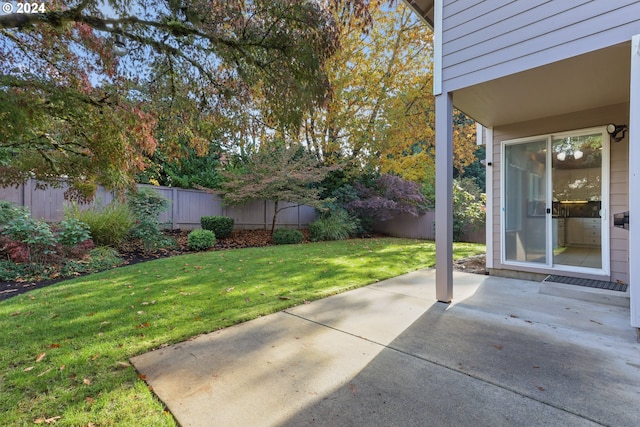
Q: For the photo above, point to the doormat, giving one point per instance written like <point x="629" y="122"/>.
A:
<point x="589" y="283"/>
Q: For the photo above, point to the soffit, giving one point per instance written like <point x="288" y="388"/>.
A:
<point x="596" y="79"/>
<point x="424" y="8"/>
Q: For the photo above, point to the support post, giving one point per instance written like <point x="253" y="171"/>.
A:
<point x="444" y="197"/>
<point x="634" y="183"/>
<point x="489" y="195"/>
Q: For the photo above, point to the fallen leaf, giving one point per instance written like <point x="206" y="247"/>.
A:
<point x="513" y="316"/>
<point x="247" y="300"/>
<point x="498" y="346"/>
<point x="89" y="400"/>
<point x="597" y="323"/>
<point x="45" y="372"/>
<point x="29" y="368"/>
<point x="143" y="325"/>
<point x="15" y="313"/>
<point x="536" y="367"/>
<point x="540" y="388"/>
<point x="284" y="298"/>
<point x="40" y="357"/>
<point x="142" y="377"/>
<point x="123" y="364"/>
<point x="352" y="387"/>
<point x="46" y="420"/>
<point x="55" y="345"/>
<point x="87" y="381"/>
<point x="95" y="356"/>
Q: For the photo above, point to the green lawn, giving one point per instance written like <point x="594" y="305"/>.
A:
<point x="65" y="348"/>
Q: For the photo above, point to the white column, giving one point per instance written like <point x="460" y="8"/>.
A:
<point x="634" y="183"/>
<point x="444" y="197"/>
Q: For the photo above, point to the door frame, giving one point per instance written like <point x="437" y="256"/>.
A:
<point x="605" y="269"/>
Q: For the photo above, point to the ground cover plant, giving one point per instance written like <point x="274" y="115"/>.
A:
<point x="66" y="347"/>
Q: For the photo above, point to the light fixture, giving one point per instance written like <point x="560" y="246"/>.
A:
<point x="577" y="154"/>
<point x="562" y="156"/>
<point x="119" y="47"/>
<point x="615" y="130"/>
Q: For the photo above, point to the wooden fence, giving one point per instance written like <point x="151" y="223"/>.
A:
<point x="422" y="227"/>
<point x="187" y="206"/>
<point x="185" y="210"/>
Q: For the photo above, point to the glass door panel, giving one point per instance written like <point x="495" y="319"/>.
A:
<point x="525" y="202"/>
<point x="577" y="200"/>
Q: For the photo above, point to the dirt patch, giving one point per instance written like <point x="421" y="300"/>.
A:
<point x="476" y="264"/>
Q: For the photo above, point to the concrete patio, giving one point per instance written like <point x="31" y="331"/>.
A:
<point x="390" y="355"/>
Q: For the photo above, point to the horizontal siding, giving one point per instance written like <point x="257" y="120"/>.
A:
<point x="491" y="39"/>
<point x="619" y="191"/>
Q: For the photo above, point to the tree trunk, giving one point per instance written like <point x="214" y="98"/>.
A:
<point x="275" y="215"/>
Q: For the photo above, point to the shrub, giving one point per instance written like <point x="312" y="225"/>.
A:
<point x="10" y="271"/>
<point x="73" y="232"/>
<point x="469" y="209"/>
<point x="36" y="235"/>
<point x="337" y="225"/>
<point x="222" y="226"/>
<point x="108" y="226"/>
<point x="8" y="211"/>
<point x="201" y="240"/>
<point x="146" y="206"/>
<point x="284" y="236"/>
<point x="100" y="258"/>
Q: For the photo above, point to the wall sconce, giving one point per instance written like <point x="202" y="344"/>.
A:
<point x="615" y="130"/>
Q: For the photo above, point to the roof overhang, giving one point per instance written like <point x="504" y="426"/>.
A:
<point x="424" y="9"/>
<point x="597" y="79"/>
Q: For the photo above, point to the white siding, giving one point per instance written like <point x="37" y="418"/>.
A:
<point x="485" y="40"/>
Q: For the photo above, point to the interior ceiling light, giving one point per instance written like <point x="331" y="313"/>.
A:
<point x="577" y="154"/>
<point x="562" y="156"/>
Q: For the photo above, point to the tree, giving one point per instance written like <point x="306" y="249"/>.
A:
<point x="279" y="173"/>
<point x="74" y="107"/>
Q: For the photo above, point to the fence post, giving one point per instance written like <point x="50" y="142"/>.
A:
<point x="174" y="208"/>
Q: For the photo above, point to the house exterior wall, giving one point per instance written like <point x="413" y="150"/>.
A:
<point x="485" y="40"/>
<point x="619" y="193"/>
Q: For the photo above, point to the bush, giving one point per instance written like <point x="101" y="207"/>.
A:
<point x="108" y="226"/>
<point x="36" y="235"/>
<point x="100" y="258"/>
<point x="469" y="210"/>
<point x="10" y="271"/>
<point x="338" y="225"/>
<point x="8" y="211"/>
<point x="73" y="232"/>
<point x="201" y="240"/>
<point x="284" y="236"/>
<point x="222" y="226"/>
<point x="146" y="206"/>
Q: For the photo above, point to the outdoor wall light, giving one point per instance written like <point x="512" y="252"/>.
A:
<point x="615" y="130"/>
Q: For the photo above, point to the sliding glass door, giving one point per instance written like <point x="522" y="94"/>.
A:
<point x="554" y="201"/>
